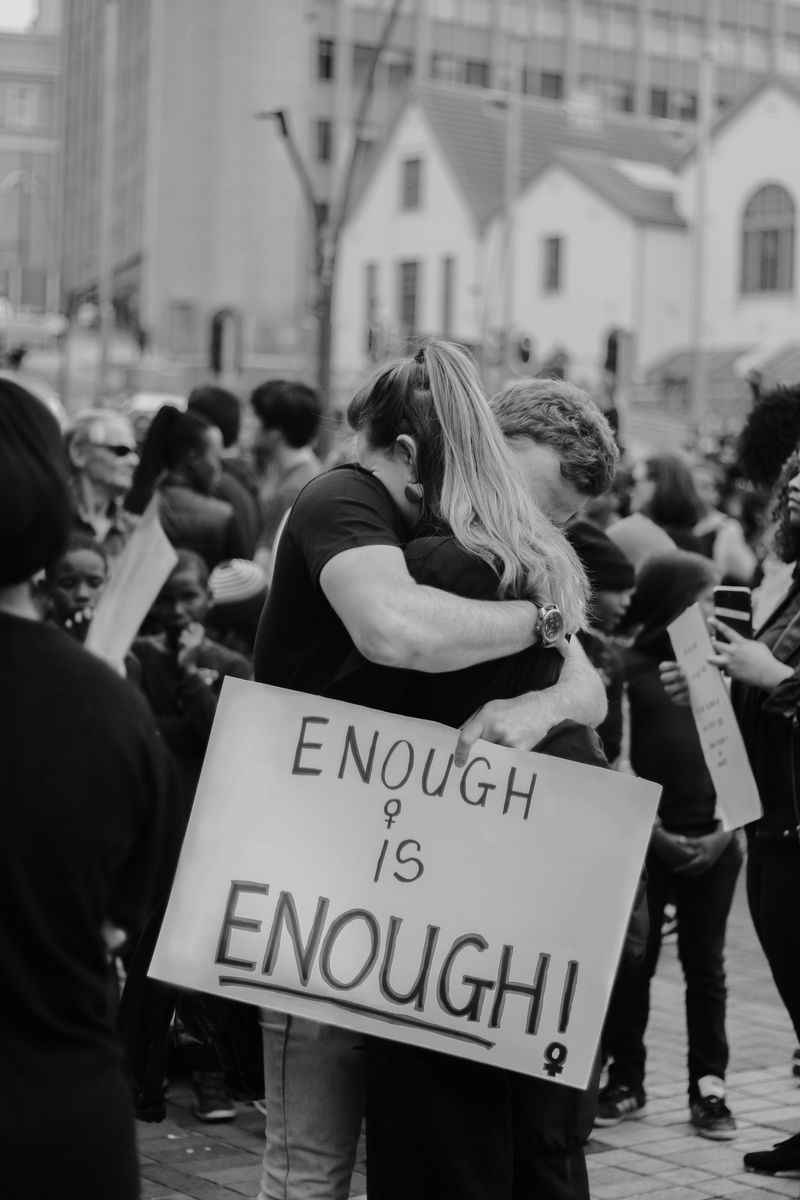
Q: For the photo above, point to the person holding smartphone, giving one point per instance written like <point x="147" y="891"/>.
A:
<point x="691" y="859"/>
<point x="766" y="697"/>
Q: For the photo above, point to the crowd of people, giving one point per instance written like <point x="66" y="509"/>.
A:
<point x="495" y="565"/>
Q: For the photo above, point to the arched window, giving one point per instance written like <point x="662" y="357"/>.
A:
<point x="768" y="241"/>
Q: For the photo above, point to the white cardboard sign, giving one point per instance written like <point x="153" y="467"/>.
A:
<point x="338" y="866"/>
<point x="139" y="574"/>
<point x="738" y="801"/>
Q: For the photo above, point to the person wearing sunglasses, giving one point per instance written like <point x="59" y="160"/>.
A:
<point x="101" y="449"/>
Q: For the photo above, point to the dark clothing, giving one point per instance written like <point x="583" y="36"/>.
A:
<point x="184" y="704"/>
<point x="767" y="720"/>
<point x="607" y="661"/>
<point x="769" y="725"/>
<point x="665" y="748"/>
<point x="193" y="521"/>
<point x="232" y="490"/>
<point x="86" y="837"/>
<point x="437" y="1125"/>
<point x="301" y="643"/>
<point x="703" y="903"/>
<point x="450" y="697"/>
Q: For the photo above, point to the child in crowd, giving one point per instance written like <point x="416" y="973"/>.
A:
<point x="690" y="858"/>
<point x="180" y="671"/>
<point x="74" y="583"/>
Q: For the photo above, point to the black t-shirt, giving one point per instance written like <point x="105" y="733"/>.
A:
<point x="301" y="643"/>
<point x="450" y="697"/>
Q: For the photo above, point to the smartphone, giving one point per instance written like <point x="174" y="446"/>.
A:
<point x="734" y="606"/>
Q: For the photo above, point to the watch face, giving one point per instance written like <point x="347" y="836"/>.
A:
<point x="551" y="625"/>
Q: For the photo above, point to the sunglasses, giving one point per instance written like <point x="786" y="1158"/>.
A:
<point x="119" y="451"/>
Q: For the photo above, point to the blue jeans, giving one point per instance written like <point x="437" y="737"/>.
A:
<point x="314" y="1077"/>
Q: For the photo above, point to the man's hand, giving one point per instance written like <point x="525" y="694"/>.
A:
<point x="674" y="682"/>
<point x="704" y="852"/>
<point x="746" y="660"/>
<point x="519" y="723"/>
<point x="523" y="721"/>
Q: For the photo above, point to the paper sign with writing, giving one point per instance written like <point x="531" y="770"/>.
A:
<point x="340" y="867"/>
<point x="139" y="574"/>
<point x="723" y="749"/>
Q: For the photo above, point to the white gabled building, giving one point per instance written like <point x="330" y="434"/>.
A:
<point x="602" y="234"/>
<point x="596" y="232"/>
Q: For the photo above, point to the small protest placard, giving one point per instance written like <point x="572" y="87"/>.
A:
<point x="340" y="867"/>
<point x="738" y="801"/>
<point x="139" y="575"/>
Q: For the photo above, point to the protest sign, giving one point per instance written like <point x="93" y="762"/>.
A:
<point x="723" y="748"/>
<point x="139" y="575"/>
<point x="339" y="866"/>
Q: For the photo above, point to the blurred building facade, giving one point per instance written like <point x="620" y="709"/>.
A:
<point x="212" y="242"/>
<point x="29" y="130"/>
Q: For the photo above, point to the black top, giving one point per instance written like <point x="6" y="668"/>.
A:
<point x="84" y="780"/>
<point x="449" y="696"/>
<point x="301" y="643"/>
<point x="665" y="748"/>
<point x="768" y="722"/>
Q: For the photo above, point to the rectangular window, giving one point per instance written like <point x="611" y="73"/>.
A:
<point x="408" y="277"/>
<point x="476" y="72"/>
<point x="443" y="66"/>
<point x="448" y="281"/>
<point x="553" y="257"/>
<point x="324" y="141"/>
<point x="552" y="85"/>
<point x="362" y="60"/>
<point x="326" y="54"/>
<point x="22" y="105"/>
<point x="411" y="184"/>
<point x="659" y="102"/>
<point x="399" y="66"/>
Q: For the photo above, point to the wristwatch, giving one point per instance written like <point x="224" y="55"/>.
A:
<point x="549" y="625"/>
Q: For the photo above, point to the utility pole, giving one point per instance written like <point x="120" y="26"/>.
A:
<point x="105" y="275"/>
<point x="705" y="100"/>
<point x="326" y="233"/>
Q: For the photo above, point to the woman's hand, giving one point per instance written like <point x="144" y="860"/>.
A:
<point x="674" y="682"/>
<point x="704" y="851"/>
<point x="746" y="660"/>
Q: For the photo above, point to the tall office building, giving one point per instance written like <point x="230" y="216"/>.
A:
<point x="29" y="226"/>
<point x="211" y="229"/>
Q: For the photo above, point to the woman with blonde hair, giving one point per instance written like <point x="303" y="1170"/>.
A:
<point x="430" y="458"/>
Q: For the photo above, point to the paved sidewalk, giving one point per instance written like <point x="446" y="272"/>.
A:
<point x="658" y="1157"/>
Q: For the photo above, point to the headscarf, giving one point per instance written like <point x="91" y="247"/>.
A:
<point x="666" y="586"/>
<point x="35" y="506"/>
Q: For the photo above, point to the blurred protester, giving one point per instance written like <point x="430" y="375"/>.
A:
<point x="288" y="421"/>
<point x="691" y="860"/>
<point x="102" y="459"/>
<point x="429" y="450"/>
<point x="236" y="483"/>
<point x="766" y="699"/>
<point x="664" y="491"/>
<point x="180" y="464"/>
<point x="720" y="535"/>
<point x="238" y="594"/>
<point x="74" y="583"/>
<point x="611" y="577"/>
<point x="85" y="781"/>
<point x="639" y="538"/>
<point x="180" y="672"/>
